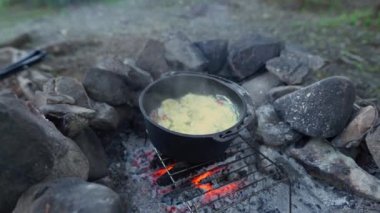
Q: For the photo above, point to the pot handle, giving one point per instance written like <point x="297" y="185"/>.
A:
<point x="233" y="133"/>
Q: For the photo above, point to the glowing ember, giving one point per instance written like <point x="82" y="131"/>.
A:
<point x="157" y="174"/>
<point x="212" y="193"/>
<point x="220" y="192"/>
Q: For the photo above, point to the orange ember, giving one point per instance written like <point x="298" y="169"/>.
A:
<point x="212" y="193"/>
<point x="220" y="192"/>
<point x="162" y="171"/>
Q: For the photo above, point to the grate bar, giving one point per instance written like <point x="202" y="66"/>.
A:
<point x="244" y="145"/>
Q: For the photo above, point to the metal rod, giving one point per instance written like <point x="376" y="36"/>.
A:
<point x="252" y="195"/>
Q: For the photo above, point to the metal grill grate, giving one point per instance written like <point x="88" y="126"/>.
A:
<point x="241" y="152"/>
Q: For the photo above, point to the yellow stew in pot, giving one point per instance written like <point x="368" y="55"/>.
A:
<point x="196" y="114"/>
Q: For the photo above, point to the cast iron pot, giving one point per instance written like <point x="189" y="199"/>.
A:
<point x="186" y="147"/>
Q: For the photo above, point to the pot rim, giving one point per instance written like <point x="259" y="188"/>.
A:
<point x="218" y="79"/>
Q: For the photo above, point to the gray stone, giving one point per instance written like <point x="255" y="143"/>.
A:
<point x="373" y="144"/>
<point x="60" y="110"/>
<point x="92" y="147"/>
<point x="182" y="54"/>
<point x="355" y="131"/>
<point x="319" y="110"/>
<point x="134" y="77"/>
<point x="69" y="119"/>
<point x="71" y="87"/>
<point x="137" y="79"/>
<point x="104" y="86"/>
<point x="69" y="195"/>
<point x="152" y="58"/>
<point x="41" y="99"/>
<point x="31" y="81"/>
<point x="280" y="91"/>
<point x="293" y="66"/>
<point x="10" y="55"/>
<point x="259" y="86"/>
<point x="249" y="54"/>
<point x="314" y="62"/>
<point x="272" y="130"/>
<point x="32" y="150"/>
<point x="215" y="51"/>
<point x="323" y="161"/>
<point x="106" y="117"/>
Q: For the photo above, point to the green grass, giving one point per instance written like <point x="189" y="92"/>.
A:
<point x="361" y="18"/>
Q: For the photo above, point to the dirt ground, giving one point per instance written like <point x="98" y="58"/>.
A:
<point x="119" y="27"/>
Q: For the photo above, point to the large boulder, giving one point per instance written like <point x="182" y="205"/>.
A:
<point x="325" y="162"/>
<point x="373" y="144"/>
<point x="32" y="150"/>
<point x="249" y="54"/>
<point x="69" y="195"/>
<point x="319" y="110"/>
<point x="259" y="86"/>
<point x="355" y="131"/>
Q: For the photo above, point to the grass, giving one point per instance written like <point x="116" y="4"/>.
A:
<point x="361" y="18"/>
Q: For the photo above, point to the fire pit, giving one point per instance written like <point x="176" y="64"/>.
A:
<point x="220" y="185"/>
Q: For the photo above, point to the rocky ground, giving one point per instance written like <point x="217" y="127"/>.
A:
<point x="326" y="128"/>
<point x="350" y="50"/>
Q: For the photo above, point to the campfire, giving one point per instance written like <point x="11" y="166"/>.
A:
<point x="285" y="133"/>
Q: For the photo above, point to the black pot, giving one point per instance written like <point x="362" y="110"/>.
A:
<point x="186" y="147"/>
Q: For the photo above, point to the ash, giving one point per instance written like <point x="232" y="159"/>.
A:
<point x="143" y="194"/>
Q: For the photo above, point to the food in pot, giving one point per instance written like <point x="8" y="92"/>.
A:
<point x="196" y="114"/>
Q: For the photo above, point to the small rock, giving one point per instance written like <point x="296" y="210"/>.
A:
<point x="18" y="41"/>
<point x="42" y="99"/>
<point x="135" y="78"/>
<point x="323" y="161"/>
<point x="280" y="91"/>
<point x="152" y="58"/>
<point x="373" y="144"/>
<point x="71" y="124"/>
<point x="353" y="134"/>
<point x="30" y="81"/>
<point x="293" y="66"/>
<point x="215" y="51"/>
<point x="181" y="54"/>
<point x="60" y="110"/>
<point x="91" y="146"/>
<point x="67" y="86"/>
<point x="272" y="130"/>
<point x="259" y="86"/>
<point x="104" y="86"/>
<point x="10" y="55"/>
<point x="69" y="119"/>
<point x="314" y="62"/>
<point x="69" y="195"/>
<point x="106" y="117"/>
<point x="32" y="150"/>
<point x="249" y="54"/>
<point x="319" y="110"/>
